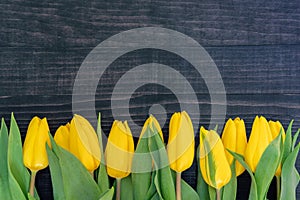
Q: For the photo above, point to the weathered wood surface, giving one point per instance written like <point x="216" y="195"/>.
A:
<point x="255" y="45"/>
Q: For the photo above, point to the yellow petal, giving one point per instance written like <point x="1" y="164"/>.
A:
<point x="181" y="142"/>
<point x="119" y="150"/>
<point x="214" y="166"/>
<point x="84" y="143"/>
<point x="260" y="138"/>
<point x="34" y="148"/>
<point x="229" y="137"/>
<point x="275" y="128"/>
<point x="62" y="137"/>
<point x="241" y="143"/>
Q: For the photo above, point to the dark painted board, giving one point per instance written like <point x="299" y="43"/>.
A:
<point x="255" y="45"/>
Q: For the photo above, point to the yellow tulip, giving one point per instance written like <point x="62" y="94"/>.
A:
<point x="214" y="166"/>
<point x="34" y="148"/>
<point x="181" y="142"/>
<point x="80" y="139"/>
<point x="234" y="138"/>
<point x="151" y="121"/>
<point x="119" y="150"/>
<point x="275" y="130"/>
<point x="260" y="138"/>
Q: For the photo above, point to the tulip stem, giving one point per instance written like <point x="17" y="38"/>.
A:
<point x="278" y="189"/>
<point x="218" y="194"/>
<point x="118" y="194"/>
<point x="32" y="182"/>
<point x="178" y="185"/>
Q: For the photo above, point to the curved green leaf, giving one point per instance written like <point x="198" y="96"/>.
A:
<point x="287" y="146"/>
<point x="142" y="166"/>
<point x="267" y="167"/>
<point x="4" y="180"/>
<point x="229" y="190"/>
<point x="289" y="176"/>
<point x="56" y="174"/>
<point x="19" y="177"/>
<point x="126" y="188"/>
<point x="253" y="189"/>
<point x="71" y="169"/>
<point x="163" y="178"/>
<point x="102" y="177"/>
<point x="108" y="195"/>
<point x="295" y="138"/>
<point x="202" y="186"/>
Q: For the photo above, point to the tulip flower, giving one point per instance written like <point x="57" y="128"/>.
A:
<point x="214" y="166"/>
<point x="234" y="138"/>
<point x="119" y="152"/>
<point x="80" y="139"/>
<point x="181" y="145"/>
<point x="149" y="122"/>
<point x="34" y="148"/>
<point x="260" y="138"/>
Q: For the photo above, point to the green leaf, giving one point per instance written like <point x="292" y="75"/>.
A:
<point x="188" y="192"/>
<point x="4" y="181"/>
<point x="141" y="168"/>
<point x="152" y="193"/>
<point x="267" y="166"/>
<point x="163" y="179"/>
<point x="202" y="186"/>
<point x="229" y="190"/>
<point x="253" y="189"/>
<point x="102" y="177"/>
<point x="30" y="197"/>
<point x="295" y="138"/>
<point x="126" y="188"/>
<point x="287" y="146"/>
<point x="19" y="177"/>
<point x="55" y="172"/>
<point x="108" y="195"/>
<point x="77" y="181"/>
<point x="289" y="176"/>
<point x="212" y="193"/>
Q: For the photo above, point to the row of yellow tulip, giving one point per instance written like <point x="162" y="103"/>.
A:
<point x="79" y="138"/>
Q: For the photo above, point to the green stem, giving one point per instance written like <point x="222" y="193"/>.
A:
<point x="218" y="194"/>
<point x="178" y="186"/>
<point x="32" y="182"/>
<point x="278" y="188"/>
<point x="118" y="193"/>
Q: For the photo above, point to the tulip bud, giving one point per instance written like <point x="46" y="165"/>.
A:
<point x="260" y="138"/>
<point x="234" y="138"/>
<point x="119" y="150"/>
<point x="151" y="121"/>
<point x="275" y="128"/>
<point x="214" y="166"/>
<point x="80" y="139"/>
<point x="34" y="148"/>
<point x="181" y="142"/>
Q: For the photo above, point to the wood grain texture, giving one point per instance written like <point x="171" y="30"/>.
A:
<point x="255" y="45"/>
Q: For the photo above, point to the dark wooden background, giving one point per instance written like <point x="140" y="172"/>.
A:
<point x="255" y="45"/>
